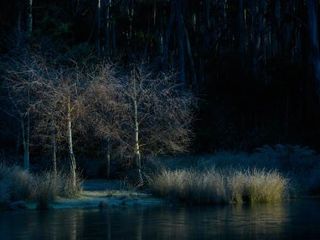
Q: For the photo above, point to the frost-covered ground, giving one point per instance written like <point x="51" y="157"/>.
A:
<point x="103" y="194"/>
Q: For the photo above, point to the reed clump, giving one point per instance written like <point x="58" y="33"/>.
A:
<point x="217" y="187"/>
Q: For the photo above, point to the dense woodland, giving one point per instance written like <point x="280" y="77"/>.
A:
<point x="253" y="68"/>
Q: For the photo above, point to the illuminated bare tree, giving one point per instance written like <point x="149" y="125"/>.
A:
<point x="105" y="108"/>
<point x="23" y="83"/>
<point x="61" y="106"/>
<point x="159" y="115"/>
<point x="67" y="94"/>
<point x="141" y="113"/>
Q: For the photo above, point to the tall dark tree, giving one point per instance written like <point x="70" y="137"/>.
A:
<point x="314" y="39"/>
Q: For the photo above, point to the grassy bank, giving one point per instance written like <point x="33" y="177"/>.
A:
<point x="269" y="174"/>
<point x="213" y="186"/>
<point x="17" y="184"/>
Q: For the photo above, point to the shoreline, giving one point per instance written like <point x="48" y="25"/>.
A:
<point x="103" y="194"/>
<point x="140" y="200"/>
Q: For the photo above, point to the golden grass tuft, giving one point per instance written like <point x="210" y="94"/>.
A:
<point x="212" y="186"/>
<point x="17" y="184"/>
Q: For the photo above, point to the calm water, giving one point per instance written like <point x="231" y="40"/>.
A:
<point x="295" y="220"/>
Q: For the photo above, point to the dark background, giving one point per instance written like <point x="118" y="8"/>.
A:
<point x="250" y="66"/>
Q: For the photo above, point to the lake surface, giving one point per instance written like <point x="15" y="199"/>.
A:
<point x="294" y="220"/>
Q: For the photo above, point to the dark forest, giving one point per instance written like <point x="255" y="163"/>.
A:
<point x="251" y="64"/>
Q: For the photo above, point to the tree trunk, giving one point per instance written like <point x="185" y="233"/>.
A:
<point x="314" y="40"/>
<point x="114" y="34"/>
<point x="18" y="33"/>
<point x="131" y="16"/>
<point x="110" y="31"/>
<point x="98" y="34"/>
<point x="276" y="28"/>
<point x="189" y="51"/>
<point x="25" y="128"/>
<point x="207" y="13"/>
<point x="25" y="143"/>
<point x="241" y="29"/>
<point x="54" y="149"/>
<point x="154" y="13"/>
<point x="30" y="19"/>
<point x="180" y="30"/>
<point x="136" y="125"/>
<point x="255" y="39"/>
<point x="168" y="35"/>
<point x="107" y="30"/>
<point x="73" y="166"/>
<point x="108" y="159"/>
<point x="54" y="154"/>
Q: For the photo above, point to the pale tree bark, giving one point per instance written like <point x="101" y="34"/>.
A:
<point x="54" y="154"/>
<point x="137" y="152"/>
<point x="54" y="148"/>
<point x="73" y="166"/>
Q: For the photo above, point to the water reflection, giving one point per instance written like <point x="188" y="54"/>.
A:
<point x="287" y="221"/>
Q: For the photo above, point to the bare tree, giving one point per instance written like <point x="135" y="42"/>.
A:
<point x="22" y="83"/>
<point x="135" y="114"/>
<point x="61" y="106"/>
<point x="49" y="123"/>
<point x="67" y="94"/>
<point x="159" y="115"/>
<point x="105" y="108"/>
<point x="141" y="113"/>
